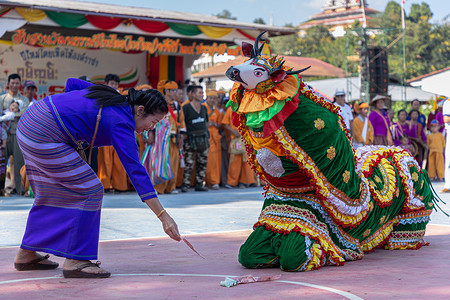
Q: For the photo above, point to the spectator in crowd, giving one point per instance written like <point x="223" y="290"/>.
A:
<point x="29" y="90"/>
<point x="417" y="135"/>
<point x="436" y="146"/>
<point x="12" y="148"/>
<point x="178" y="130"/>
<point x="111" y="172"/>
<point x="112" y="80"/>
<point x="380" y="122"/>
<point x="6" y="119"/>
<point x="213" y="167"/>
<point x="180" y="175"/>
<point x="436" y="114"/>
<point x="221" y="95"/>
<point x="197" y="144"/>
<point x="180" y="95"/>
<point x="224" y="142"/>
<point x="390" y="114"/>
<point x="346" y="111"/>
<point x="446" y="113"/>
<point x="240" y="174"/>
<point x="406" y="144"/>
<point x="415" y="105"/>
<point x="401" y="128"/>
<point x="362" y="128"/>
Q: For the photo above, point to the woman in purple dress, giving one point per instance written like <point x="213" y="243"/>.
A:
<point x="417" y="135"/>
<point x="65" y="217"/>
<point x="400" y="128"/>
<point x="380" y="122"/>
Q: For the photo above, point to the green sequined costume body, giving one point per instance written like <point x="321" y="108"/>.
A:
<point x="324" y="202"/>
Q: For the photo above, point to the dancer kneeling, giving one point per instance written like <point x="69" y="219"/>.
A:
<point x="324" y="203"/>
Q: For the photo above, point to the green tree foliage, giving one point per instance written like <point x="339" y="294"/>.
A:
<point x="226" y="14"/>
<point x="419" y="12"/>
<point x="427" y="44"/>
<point x="259" y="21"/>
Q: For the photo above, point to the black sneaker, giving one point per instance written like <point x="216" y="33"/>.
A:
<point x="184" y="189"/>
<point x="201" y="189"/>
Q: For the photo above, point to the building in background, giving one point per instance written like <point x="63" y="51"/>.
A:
<point x="340" y="14"/>
<point x="436" y="82"/>
<point x="49" y="41"/>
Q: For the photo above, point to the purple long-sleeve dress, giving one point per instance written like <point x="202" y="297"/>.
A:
<point x="65" y="216"/>
<point x="381" y="125"/>
<point x="399" y="130"/>
<point x="416" y="131"/>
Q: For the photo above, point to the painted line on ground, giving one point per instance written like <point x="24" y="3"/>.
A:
<point x="320" y="287"/>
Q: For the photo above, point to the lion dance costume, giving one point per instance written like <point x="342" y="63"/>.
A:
<point x="325" y="203"/>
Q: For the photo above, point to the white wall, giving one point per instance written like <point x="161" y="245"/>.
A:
<point x="437" y="84"/>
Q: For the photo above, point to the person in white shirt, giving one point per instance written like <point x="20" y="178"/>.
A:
<point x="346" y="111"/>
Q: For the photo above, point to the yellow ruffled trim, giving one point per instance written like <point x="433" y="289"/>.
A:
<point x="378" y="236"/>
<point x="405" y="246"/>
<point x="385" y="196"/>
<point x="289" y="224"/>
<point x="254" y="102"/>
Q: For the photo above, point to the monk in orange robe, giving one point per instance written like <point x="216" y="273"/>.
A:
<point x="239" y="171"/>
<point x="213" y="167"/>
<point x="110" y="170"/>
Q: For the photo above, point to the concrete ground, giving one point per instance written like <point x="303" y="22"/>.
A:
<point x="146" y="264"/>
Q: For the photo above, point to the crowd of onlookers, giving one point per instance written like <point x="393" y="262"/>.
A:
<point x="198" y="146"/>
<point x="202" y="146"/>
<point x="422" y="136"/>
<point x="13" y="104"/>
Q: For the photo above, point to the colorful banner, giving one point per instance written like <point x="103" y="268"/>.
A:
<point x="49" y="68"/>
<point x="69" y="20"/>
<point x="127" y="43"/>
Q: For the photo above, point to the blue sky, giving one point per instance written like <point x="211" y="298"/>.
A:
<point x="283" y="11"/>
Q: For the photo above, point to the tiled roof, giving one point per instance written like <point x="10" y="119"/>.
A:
<point x="427" y="75"/>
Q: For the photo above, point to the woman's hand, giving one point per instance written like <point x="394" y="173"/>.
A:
<point x="169" y="226"/>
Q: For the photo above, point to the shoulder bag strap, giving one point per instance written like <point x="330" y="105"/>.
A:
<point x="91" y="146"/>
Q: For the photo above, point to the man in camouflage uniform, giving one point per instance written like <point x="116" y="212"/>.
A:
<point x="197" y="144"/>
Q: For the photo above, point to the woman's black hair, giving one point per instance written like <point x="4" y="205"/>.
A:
<point x="398" y="113"/>
<point x="152" y="100"/>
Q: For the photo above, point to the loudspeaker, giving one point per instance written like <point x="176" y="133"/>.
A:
<point x="378" y="71"/>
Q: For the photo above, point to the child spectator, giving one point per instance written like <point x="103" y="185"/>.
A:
<point x="436" y="146"/>
<point x="9" y="115"/>
<point x="406" y="145"/>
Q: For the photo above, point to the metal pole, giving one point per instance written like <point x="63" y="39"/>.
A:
<point x="404" y="53"/>
<point x="364" y="13"/>
<point x="347" y="94"/>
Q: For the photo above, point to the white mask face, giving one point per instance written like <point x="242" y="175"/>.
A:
<point x="249" y="74"/>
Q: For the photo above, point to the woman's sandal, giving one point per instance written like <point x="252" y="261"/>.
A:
<point x="79" y="273"/>
<point x="35" y="265"/>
